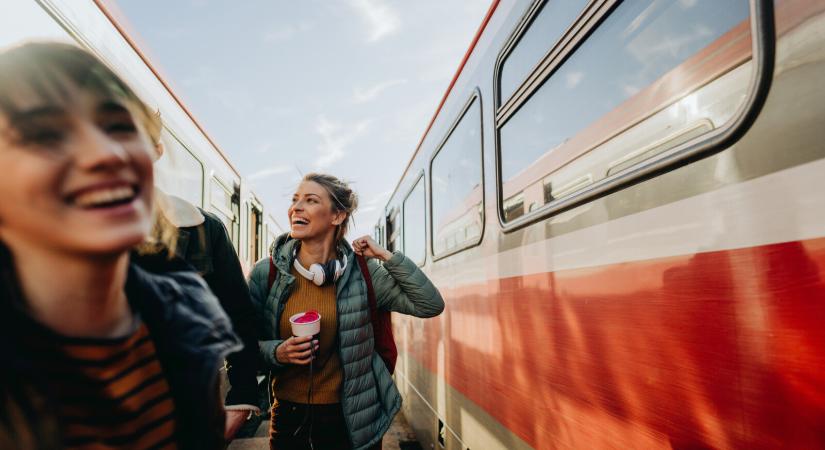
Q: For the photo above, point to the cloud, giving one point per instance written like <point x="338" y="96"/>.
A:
<point x="335" y="137"/>
<point x="285" y="33"/>
<point x="380" y="198"/>
<point x="269" y="171"/>
<point x="366" y="95"/>
<point x="573" y="79"/>
<point x="281" y="34"/>
<point x="380" y="17"/>
<point x="375" y="202"/>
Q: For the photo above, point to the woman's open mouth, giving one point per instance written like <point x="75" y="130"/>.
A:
<point x="105" y="197"/>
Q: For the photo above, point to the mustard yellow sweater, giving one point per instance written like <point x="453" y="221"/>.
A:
<point x="293" y="383"/>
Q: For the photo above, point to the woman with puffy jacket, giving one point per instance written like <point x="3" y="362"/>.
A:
<point x="349" y="400"/>
<point x="97" y="353"/>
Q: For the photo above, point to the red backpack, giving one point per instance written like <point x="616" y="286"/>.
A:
<point x="381" y="320"/>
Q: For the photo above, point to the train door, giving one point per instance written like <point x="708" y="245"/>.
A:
<point x="393" y="232"/>
<point x="255" y="249"/>
<point x="235" y="232"/>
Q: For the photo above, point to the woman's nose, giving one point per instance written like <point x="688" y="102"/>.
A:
<point x="96" y="150"/>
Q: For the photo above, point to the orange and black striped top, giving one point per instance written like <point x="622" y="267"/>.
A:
<point x="109" y="393"/>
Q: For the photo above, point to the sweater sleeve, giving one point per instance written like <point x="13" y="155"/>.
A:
<point x="402" y="287"/>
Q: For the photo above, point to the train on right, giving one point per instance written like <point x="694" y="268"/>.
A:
<point x="623" y="205"/>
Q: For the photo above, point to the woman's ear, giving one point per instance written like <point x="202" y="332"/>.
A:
<point x="339" y="218"/>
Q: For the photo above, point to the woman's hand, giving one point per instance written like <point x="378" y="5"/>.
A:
<point x="296" y="350"/>
<point x="366" y="246"/>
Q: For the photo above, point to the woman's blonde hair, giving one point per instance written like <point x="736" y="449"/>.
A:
<point x="344" y="199"/>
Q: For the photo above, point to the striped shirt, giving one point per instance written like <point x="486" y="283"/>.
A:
<point x="109" y="393"/>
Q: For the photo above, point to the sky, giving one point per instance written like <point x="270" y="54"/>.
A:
<point x="289" y="87"/>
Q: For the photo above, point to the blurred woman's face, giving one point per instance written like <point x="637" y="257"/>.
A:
<point x="77" y="178"/>
<point x="311" y="214"/>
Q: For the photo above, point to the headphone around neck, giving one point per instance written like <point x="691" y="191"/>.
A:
<point x="320" y="274"/>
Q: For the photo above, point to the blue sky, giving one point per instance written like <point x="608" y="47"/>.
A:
<point x="341" y="86"/>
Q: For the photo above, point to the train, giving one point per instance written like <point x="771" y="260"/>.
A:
<point x="623" y="205"/>
<point x="193" y="167"/>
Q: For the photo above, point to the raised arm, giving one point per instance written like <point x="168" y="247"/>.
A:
<point x="399" y="284"/>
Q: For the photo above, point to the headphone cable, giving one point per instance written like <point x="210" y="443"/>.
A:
<point x="308" y="412"/>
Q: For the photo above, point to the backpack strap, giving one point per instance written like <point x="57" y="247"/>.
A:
<point x="365" y="272"/>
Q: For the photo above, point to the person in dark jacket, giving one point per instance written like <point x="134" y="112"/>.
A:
<point x="201" y="240"/>
<point x="333" y="391"/>
<point x="96" y="351"/>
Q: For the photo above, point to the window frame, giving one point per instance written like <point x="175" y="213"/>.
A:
<point x="419" y="178"/>
<point x="203" y="178"/>
<point x="763" y="49"/>
<point x="474" y="96"/>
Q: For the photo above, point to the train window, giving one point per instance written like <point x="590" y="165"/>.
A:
<point x="545" y="28"/>
<point x="649" y="77"/>
<point x="179" y="172"/>
<point x="393" y="235"/>
<point x="415" y="235"/>
<point x="456" y="188"/>
<point x="220" y="197"/>
<point x="220" y="201"/>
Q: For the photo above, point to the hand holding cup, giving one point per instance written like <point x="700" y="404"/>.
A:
<point x="299" y="349"/>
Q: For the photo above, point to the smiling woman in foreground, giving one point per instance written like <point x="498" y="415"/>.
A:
<point x="343" y="396"/>
<point x="97" y="353"/>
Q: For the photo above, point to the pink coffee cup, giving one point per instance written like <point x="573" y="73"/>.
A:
<point x="306" y="323"/>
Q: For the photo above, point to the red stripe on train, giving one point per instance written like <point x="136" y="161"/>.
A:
<point x="720" y="349"/>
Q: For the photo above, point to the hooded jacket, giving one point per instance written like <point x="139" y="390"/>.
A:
<point x="369" y="398"/>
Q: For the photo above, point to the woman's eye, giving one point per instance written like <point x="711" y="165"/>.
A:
<point x="43" y="136"/>
<point x="120" y="128"/>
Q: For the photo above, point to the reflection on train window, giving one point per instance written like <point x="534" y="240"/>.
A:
<point x="545" y="29"/>
<point x="393" y="235"/>
<point x="455" y="185"/>
<point x="653" y="75"/>
<point x="178" y="172"/>
<point x="415" y="235"/>
<point x="221" y="204"/>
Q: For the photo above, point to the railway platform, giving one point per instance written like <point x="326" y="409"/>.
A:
<point x="399" y="437"/>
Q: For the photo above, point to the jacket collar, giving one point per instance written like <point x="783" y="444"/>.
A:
<point x="283" y="249"/>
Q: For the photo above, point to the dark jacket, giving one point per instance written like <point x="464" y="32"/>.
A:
<point x="369" y="398"/>
<point x="209" y="250"/>
<point x="192" y="336"/>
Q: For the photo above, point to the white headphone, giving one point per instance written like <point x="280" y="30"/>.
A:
<point x="321" y="274"/>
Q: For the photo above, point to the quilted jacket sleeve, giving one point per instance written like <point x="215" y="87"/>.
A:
<point x="258" y="291"/>
<point x="402" y="287"/>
